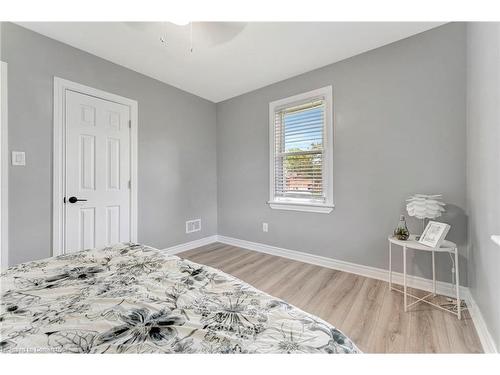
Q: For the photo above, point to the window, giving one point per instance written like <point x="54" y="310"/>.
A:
<point x="301" y="143"/>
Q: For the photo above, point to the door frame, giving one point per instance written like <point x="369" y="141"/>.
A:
<point x="59" y="156"/>
<point x="4" y="169"/>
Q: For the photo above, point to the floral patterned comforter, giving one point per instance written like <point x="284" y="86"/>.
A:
<point x="134" y="299"/>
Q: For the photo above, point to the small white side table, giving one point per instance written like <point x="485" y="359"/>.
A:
<point x="411" y="243"/>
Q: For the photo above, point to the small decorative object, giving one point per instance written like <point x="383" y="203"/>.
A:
<point x="434" y="234"/>
<point x="424" y="206"/>
<point x="401" y="232"/>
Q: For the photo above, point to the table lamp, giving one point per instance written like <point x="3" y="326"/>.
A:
<point x="424" y="206"/>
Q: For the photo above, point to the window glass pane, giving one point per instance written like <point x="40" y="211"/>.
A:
<point x="299" y="151"/>
<point x="303" y="130"/>
<point x="303" y="175"/>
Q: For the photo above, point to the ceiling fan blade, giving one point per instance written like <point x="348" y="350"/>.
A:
<point x="215" y="33"/>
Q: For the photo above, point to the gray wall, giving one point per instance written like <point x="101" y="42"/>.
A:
<point x="399" y="115"/>
<point x="1" y="28"/>
<point x="483" y="168"/>
<point x="177" y="155"/>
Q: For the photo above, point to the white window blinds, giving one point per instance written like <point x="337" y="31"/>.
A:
<point x="299" y="153"/>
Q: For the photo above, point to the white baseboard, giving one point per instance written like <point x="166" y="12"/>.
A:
<point x="190" y="245"/>
<point x="416" y="282"/>
<point x="481" y="328"/>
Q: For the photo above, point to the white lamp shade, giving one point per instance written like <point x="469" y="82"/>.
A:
<point x="424" y="206"/>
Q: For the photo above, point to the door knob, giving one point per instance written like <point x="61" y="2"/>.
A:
<point x="75" y="199"/>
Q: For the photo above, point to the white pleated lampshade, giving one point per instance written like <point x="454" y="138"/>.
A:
<point x="424" y="206"/>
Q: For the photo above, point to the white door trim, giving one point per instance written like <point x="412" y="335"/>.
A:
<point x="60" y="87"/>
<point x="4" y="170"/>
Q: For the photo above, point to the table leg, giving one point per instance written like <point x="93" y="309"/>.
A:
<point x="404" y="276"/>
<point x="390" y="265"/>
<point x="433" y="273"/>
<point x="459" y="302"/>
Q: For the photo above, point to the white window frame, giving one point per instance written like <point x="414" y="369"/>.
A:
<point x="297" y="204"/>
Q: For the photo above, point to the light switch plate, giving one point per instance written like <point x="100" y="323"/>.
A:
<point x="18" y="158"/>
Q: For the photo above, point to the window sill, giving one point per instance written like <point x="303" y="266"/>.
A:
<point x="304" y="207"/>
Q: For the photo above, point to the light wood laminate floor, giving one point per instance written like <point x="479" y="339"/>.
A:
<point x="363" y="308"/>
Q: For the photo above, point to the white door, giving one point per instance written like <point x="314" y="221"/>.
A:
<point x="97" y="199"/>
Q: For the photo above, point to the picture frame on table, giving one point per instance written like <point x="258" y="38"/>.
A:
<point x="434" y="234"/>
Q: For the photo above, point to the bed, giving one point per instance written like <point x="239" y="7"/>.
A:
<point x="131" y="298"/>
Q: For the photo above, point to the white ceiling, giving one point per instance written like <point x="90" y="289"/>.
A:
<point x="228" y="59"/>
